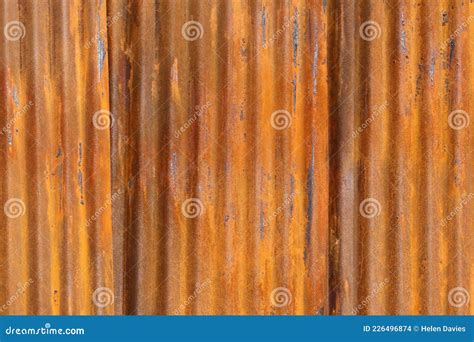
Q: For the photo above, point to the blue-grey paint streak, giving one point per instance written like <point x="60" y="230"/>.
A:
<point x="292" y="194"/>
<point x="294" y="94"/>
<point x="432" y="69"/>
<point x="452" y="45"/>
<point x="309" y="212"/>
<point x="295" y="37"/>
<point x="264" y="25"/>
<point x="100" y="49"/>
<point x="403" y="41"/>
<point x="15" y="96"/>
<point x="100" y="54"/>
<point x="174" y="167"/>
<point x="314" y="68"/>
<point x="59" y="152"/>
<point x="403" y="34"/>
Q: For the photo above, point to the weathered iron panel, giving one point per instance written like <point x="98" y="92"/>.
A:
<point x="401" y="157"/>
<point x="186" y="121"/>
<point x="236" y="157"/>
<point x="194" y="125"/>
<point x="55" y="165"/>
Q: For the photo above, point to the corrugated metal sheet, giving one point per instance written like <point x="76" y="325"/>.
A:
<point x="401" y="157"/>
<point x="195" y="85"/>
<point x="236" y="157"/>
<point x="55" y="166"/>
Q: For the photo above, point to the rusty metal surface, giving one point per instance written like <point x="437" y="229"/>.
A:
<point x="55" y="169"/>
<point x="401" y="157"/>
<point x="236" y="157"/>
<point x="195" y="131"/>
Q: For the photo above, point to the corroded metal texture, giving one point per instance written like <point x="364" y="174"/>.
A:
<point x="196" y="131"/>
<point x="236" y="157"/>
<point x="55" y="167"/>
<point x="401" y="157"/>
<point x="221" y="138"/>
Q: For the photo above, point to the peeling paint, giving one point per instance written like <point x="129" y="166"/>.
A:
<point x="263" y="23"/>
<point x="100" y="49"/>
<point x="295" y="37"/>
<point x="452" y="45"/>
<point x="15" y="96"/>
<point x="314" y="68"/>
<point x="309" y="210"/>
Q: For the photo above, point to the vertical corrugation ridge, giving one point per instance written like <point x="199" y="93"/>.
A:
<point x="284" y="53"/>
<point x="119" y="98"/>
<point x="160" y="90"/>
<point x="257" y="22"/>
<point x="344" y="235"/>
<point x="222" y="31"/>
<point x="398" y="297"/>
<point x="368" y="186"/>
<point x="174" y="283"/>
<point x="457" y="98"/>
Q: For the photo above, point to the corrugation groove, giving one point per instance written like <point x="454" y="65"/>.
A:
<point x="236" y="157"/>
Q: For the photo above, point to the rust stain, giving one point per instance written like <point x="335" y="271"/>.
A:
<point x="236" y="157"/>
